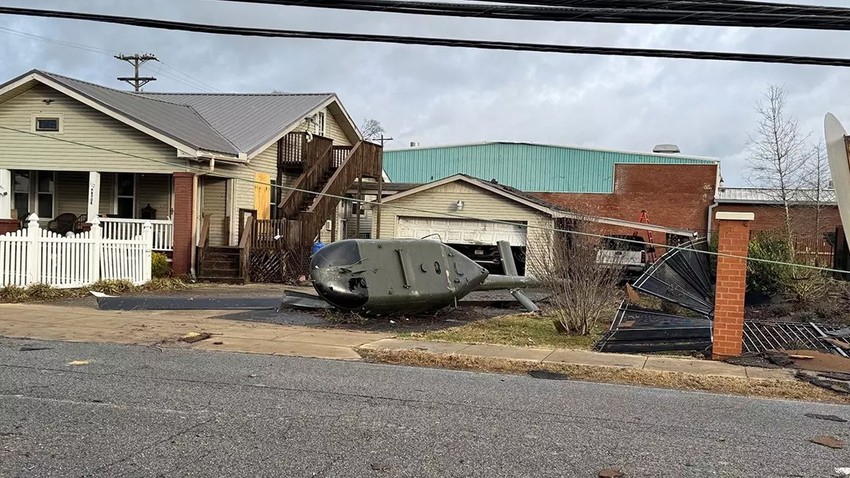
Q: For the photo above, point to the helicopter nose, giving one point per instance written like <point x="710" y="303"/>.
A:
<point x="332" y="280"/>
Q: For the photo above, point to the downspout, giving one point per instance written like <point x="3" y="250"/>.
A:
<point x="708" y="227"/>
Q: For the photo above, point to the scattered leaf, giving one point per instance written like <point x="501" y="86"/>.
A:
<point x="193" y="337"/>
<point x="79" y="362"/>
<point x="827" y="441"/>
<point x="611" y="473"/>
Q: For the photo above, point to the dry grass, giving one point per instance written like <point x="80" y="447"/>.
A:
<point x="42" y="293"/>
<point x="519" y="330"/>
<point x="781" y="389"/>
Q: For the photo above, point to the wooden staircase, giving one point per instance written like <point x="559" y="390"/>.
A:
<point x="224" y="264"/>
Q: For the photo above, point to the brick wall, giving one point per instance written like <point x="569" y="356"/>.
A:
<point x="733" y="239"/>
<point x="673" y="195"/>
<point x="9" y="225"/>
<point x="184" y="218"/>
<point x="772" y="218"/>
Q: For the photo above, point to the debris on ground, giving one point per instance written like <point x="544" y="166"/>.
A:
<point x="611" y="473"/>
<point x="820" y="361"/>
<point x="79" y="362"/>
<point x="844" y="471"/>
<point x="30" y="348"/>
<point x="193" y="337"/>
<point x="218" y="343"/>
<point x="547" y="375"/>
<point x="828" y="441"/>
<point x="838" y="386"/>
<point x="831" y="418"/>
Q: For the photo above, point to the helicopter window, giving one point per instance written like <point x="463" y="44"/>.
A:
<point x="437" y="267"/>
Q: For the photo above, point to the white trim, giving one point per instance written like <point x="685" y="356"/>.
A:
<point x="734" y="216"/>
<point x="54" y="195"/>
<point x="551" y="212"/>
<point x="101" y="108"/>
<point x="59" y="117"/>
<point x="7" y="195"/>
<point x="563" y="146"/>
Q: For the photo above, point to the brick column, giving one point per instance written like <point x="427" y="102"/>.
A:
<point x="184" y="223"/>
<point x="9" y="225"/>
<point x="733" y="238"/>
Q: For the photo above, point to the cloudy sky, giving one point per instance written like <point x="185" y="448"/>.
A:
<point x="437" y="95"/>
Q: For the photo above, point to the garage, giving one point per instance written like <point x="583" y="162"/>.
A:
<point x="462" y="231"/>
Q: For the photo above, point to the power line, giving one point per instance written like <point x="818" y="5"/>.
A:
<point x="445" y="42"/>
<point x="765" y="18"/>
<point x="579" y="217"/>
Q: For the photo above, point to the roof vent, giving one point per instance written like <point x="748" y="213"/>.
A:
<point x="666" y="149"/>
<point x="414" y="144"/>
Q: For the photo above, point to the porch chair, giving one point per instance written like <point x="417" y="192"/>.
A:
<point x="79" y="224"/>
<point x="63" y="223"/>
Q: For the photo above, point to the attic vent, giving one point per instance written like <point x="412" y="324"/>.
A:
<point x="666" y="149"/>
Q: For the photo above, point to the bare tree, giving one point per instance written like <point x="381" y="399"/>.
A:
<point x="372" y="129"/>
<point x="778" y="152"/>
<point x="816" y="183"/>
<point x="582" y="288"/>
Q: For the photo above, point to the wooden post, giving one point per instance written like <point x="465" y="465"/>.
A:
<point x="359" y="203"/>
<point x="380" y="192"/>
<point x="334" y="220"/>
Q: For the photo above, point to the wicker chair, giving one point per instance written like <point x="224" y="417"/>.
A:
<point x="63" y="223"/>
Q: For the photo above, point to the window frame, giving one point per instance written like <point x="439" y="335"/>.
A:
<point x="321" y="123"/>
<point x="118" y="195"/>
<point x="60" y="123"/>
<point x="38" y="193"/>
<point x="16" y="191"/>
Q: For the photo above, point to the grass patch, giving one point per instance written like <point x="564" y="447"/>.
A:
<point x="521" y="330"/>
<point x="781" y="389"/>
<point x="42" y="292"/>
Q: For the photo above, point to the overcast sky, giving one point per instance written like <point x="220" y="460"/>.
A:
<point x="437" y="95"/>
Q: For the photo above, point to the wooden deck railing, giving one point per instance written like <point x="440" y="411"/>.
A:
<point x="245" y="250"/>
<point x="362" y="160"/>
<point x="319" y="151"/>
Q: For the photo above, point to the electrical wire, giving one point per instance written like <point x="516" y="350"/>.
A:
<point x="579" y="217"/>
<point x="592" y="14"/>
<point x="446" y="42"/>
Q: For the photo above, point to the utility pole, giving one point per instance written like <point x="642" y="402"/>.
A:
<point x="383" y="139"/>
<point x="137" y="61"/>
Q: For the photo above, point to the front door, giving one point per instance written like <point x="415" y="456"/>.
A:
<point x="214" y="205"/>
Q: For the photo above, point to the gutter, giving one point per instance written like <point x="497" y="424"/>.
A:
<point x="708" y="226"/>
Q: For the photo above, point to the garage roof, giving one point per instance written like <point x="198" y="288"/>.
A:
<point x="536" y="203"/>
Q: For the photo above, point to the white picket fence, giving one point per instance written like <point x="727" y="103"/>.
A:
<point x="126" y="229"/>
<point x="38" y="256"/>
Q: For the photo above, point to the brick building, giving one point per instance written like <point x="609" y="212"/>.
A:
<point x="676" y="190"/>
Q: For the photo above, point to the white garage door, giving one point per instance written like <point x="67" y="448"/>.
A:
<point x="461" y="231"/>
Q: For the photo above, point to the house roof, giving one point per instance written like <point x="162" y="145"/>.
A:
<point x="525" y="166"/>
<point x="534" y="202"/>
<point x="232" y="125"/>
<point x="772" y="196"/>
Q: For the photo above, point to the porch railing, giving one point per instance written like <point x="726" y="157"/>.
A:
<point x="126" y="229"/>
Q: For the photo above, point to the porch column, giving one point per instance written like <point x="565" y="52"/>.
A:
<point x="93" y="203"/>
<point x="7" y="195"/>
<point x="184" y="223"/>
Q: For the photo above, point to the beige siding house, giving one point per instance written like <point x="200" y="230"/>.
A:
<point x="72" y="150"/>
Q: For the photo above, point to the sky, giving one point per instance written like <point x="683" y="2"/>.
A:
<point x="439" y="95"/>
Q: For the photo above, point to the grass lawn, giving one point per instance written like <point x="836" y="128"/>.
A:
<point x="523" y="330"/>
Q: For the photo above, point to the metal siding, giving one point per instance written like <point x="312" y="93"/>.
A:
<point x="524" y="166"/>
<point x="81" y="124"/>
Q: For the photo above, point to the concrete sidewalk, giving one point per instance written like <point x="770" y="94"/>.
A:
<point x="164" y="328"/>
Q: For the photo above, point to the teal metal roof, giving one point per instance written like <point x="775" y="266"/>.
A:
<point x="528" y="167"/>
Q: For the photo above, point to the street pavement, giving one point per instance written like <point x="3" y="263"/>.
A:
<point x="83" y="409"/>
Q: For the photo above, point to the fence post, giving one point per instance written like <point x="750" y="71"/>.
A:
<point x="96" y="235"/>
<point x="33" y="251"/>
<point x="147" y="237"/>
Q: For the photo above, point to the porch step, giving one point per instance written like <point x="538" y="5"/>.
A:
<point x="222" y="280"/>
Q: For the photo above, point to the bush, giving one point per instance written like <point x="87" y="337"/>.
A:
<point x="112" y="287"/>
<point x="42" y="292"/>
<point x="12" y="294"/>
<point x="768" y="278"/>
<point x="159" y="265"/>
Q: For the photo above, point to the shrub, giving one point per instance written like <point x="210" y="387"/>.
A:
<point x="159" y="265"/>
<point x="112" y="287"/>
<point x="11" y="294"/>
<point x="42" y="292"/>
<point x="769" y="278"/>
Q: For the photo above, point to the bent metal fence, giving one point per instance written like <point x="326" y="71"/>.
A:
<point x="38" y="256"/>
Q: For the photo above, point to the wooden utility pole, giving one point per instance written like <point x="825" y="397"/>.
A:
<point x="380" y="187"/>
<point x="137" y="60"/>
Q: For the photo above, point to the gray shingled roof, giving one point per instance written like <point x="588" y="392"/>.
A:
<point x="248" y="121"/>
<point x="219" y="123"/>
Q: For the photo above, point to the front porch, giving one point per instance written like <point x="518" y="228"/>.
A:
<point x="66" y="201"/>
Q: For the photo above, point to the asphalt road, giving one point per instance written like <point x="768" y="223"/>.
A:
<point x="140" y="411"/>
